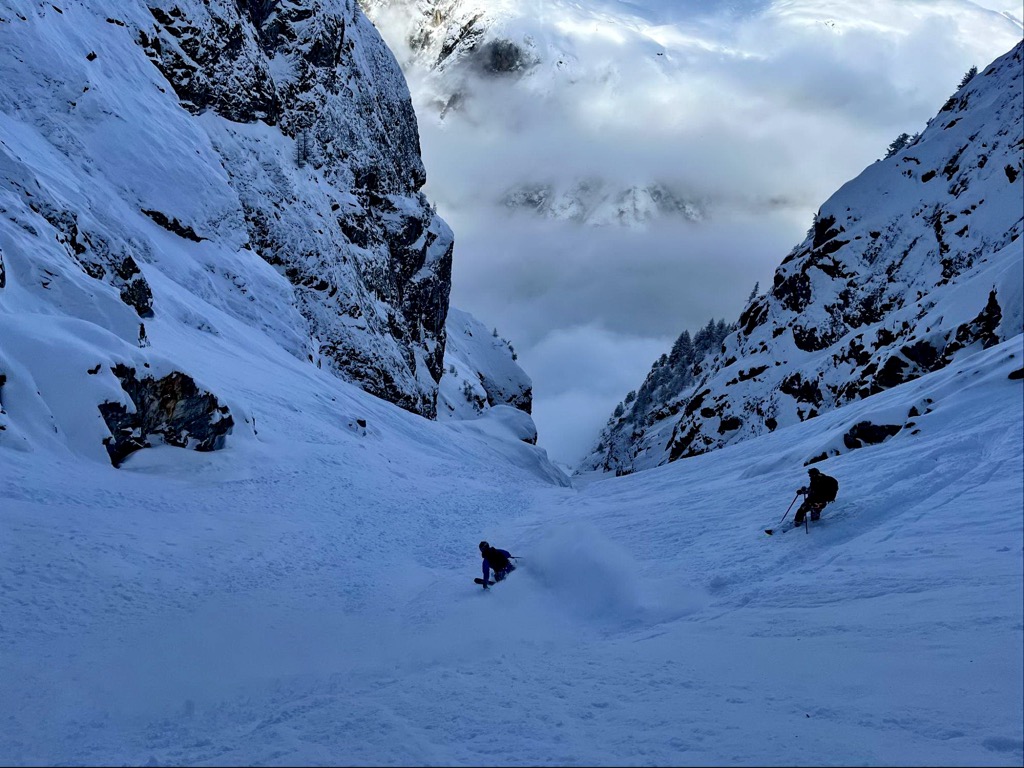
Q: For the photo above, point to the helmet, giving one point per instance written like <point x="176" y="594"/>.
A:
<point x="813" y="471"/>
<point x="484" y="545"/>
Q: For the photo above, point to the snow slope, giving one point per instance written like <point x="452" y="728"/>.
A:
<point x="481" y="371"/>
<point x="304" y="596"/>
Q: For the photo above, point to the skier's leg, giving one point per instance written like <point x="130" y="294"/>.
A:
<point x="800" y="514"/>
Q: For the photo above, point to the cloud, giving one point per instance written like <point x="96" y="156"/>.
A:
<point x="571" y="365"/>
<point x="757" y="110"/>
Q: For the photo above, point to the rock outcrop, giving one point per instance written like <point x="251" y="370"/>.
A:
<point x="172" y="410"/>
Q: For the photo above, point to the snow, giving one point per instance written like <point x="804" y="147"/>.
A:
<point x="481" y="372"/>
<point x="304" y="596"/>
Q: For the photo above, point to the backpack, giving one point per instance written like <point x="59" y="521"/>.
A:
<point x="497" y="560"/>
<point x="829" y="488"/>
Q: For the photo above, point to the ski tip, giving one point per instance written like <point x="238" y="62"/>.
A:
<point x="769" y="531"/>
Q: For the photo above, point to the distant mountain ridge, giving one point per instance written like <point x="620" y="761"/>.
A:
<point x="913" y="264"/>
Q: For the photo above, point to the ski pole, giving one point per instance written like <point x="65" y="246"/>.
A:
<point x="789" y="508"/>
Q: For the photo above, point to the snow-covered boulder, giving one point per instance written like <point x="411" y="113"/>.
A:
<point x="910" y="266"/>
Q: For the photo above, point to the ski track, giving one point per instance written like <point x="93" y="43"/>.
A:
<point x="313" y="609"/>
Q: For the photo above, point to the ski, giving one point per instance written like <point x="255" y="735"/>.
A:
<point x="780" y="531"/>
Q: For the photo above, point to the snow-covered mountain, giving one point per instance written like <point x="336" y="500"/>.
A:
<point x="914" y="264"/>
<point x="171" y="169"/>
<point x="221" y="143"/>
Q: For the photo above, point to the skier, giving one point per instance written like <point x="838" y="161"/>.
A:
<point x="498" y="559"/>
<point x="821" y="490"/>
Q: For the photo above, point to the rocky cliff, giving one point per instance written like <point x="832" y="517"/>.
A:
<point x="369" y="258"/>
<point x="175" y="167"/>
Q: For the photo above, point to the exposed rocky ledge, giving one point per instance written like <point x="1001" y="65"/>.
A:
<point x="171" y="410"/>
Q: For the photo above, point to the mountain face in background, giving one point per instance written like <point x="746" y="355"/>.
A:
<point x="914" y="264"/>
<point x="467" y="47"/>
<point x="519" y="69"/>
<point x="171" y="168"/>
<point x="481" y="372"/>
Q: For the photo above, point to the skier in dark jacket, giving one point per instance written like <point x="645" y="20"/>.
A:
<point x="821" y="490"/>
<point x="497" y="559"/>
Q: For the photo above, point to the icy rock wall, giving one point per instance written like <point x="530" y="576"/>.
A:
<point x="369" y="258"/>
<point x="195" y="167"/>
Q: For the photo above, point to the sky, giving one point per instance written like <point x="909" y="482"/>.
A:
<point x="754" y="113"/>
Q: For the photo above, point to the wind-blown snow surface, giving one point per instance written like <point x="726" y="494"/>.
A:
<point x="304" y="595"/>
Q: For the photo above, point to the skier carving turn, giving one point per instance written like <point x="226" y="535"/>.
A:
<point x="498" y="560"/>
<point x="818" y="493"/>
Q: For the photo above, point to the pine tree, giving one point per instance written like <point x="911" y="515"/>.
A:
<point x="968" y="76"/>
<point x="902" y="141"/>
<point x="682" y="351"/>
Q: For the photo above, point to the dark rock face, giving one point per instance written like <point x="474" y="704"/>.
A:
<point x="500" y="57"/>
<point x="200" y="81"/>
<point x="98" y="257"/>
<point x="173" y="225"/>
<point x="172" y="409"/>
<point x="866" y="433"/>
<point x="218" y="56"/>
<point x="368" y="257"/>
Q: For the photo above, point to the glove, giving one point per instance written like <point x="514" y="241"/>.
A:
<point x="802" y="492"/>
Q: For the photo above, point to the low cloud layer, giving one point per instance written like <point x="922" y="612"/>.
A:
<point x="757" y="110"/>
